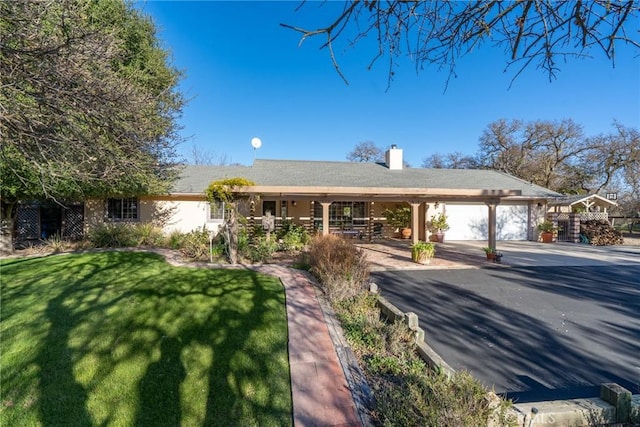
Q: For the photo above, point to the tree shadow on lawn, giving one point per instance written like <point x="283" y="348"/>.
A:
<point x="527" y="358"/>
<point x="123" y="349"/>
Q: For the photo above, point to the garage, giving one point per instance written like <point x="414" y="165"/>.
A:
<point x="469" y="221"/>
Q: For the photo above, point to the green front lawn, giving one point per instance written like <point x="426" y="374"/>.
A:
<point x="123" y="339"/>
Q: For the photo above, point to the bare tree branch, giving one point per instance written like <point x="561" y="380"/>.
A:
<point x="439" y="32"/>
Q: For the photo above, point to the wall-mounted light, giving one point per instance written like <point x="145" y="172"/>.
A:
<point x="539" y="205"/>
<point x="294" y="203"/>
<point x="436" y="205"/>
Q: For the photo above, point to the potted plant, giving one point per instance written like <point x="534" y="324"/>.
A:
<point x="438" y="225"/>
<point x="547" y="229"/>
<point x="492" y="254"/>
<point x="422" y="252"/>
<point x="400" y="217"/>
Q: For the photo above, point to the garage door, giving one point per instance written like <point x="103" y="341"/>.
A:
<point x="470" y="221"/>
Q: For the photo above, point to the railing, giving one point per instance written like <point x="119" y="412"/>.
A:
<point x="586" y="216"/>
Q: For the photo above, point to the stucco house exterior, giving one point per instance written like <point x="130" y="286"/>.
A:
<point x="348" y="198"/>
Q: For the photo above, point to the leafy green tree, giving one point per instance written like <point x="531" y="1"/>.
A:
<point x="539" y="33"/>
<point x="229" y="191"/>
<point x="88" y="103"/>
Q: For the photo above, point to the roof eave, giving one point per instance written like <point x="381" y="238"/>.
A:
<point x="377" y="191"/>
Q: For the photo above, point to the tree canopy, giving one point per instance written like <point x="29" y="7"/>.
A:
<point x="539" y="33"/>
<point x="557" y="155"/>
<point x="228" y="191"/>
<point x="88" y="101"/>
<point x="367" y="152"/>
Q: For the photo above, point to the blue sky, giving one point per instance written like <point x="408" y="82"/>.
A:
<point x="246" y="76"/>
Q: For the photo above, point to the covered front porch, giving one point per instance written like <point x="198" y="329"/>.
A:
<point x="357" y="212"/>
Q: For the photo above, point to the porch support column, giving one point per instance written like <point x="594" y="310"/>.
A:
<point x="415" y="226"/>
<point x="252" y="220"/>
<point x="311" y="227"/>
<point x="493" y="205"/>
<point x="325" y="218"/>
<point x="371" y="219"/>
<point x="574" y="227"/>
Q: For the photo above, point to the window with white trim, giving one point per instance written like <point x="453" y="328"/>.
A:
<point x="125" y="209"/>
<point x="216" y="211"/>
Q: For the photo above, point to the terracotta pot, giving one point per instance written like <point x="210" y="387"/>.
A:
<point x="440" y="237"/>
<point x="491" y="256"/>
<point x="405" y="233"/>
<point x="546" y="237"/>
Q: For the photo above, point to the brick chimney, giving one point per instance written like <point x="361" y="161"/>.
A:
<point x="393" y="158"/>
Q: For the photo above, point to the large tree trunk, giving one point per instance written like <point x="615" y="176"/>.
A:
<point x="232" y="224"/>
<point x="7" y="221"/>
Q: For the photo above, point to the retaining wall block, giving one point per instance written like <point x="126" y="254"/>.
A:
<point x="620" y="398"/>
<point x="389" y="310"/>
<point x="567" y="413"/>
<point x="412" y="320"/>
<point x="635" y="409"/>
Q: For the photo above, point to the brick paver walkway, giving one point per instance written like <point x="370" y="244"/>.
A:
<point x="321" y="395"/>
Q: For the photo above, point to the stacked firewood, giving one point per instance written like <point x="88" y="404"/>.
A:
<point x="600" y="233"/>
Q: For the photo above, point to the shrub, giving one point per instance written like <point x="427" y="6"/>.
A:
<point x="262" y="249"/>
<point x="339" y="265"/>
<point x="117" y="235"/>
<point x="244" y="243"/>
<point x="113" y="235"/>
<point x="360" y="319"/>
<point x="294" y="237"/>
<point x="147" y="234"/>
<point x="174" y="240"/>
<point x="195" y="245"/>
<point x="438" y="223"/>
<point x="399" y="217"/>
<point x="56" y="244"/>
<point x="433" y="399"/>
<point x="547" y="227"/>
<point x="218" y="248"/>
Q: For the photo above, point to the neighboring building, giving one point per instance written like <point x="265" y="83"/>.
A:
<point x="569" y="211"/>
<point x="348" y="198"/>
<point x="581" y="203"/>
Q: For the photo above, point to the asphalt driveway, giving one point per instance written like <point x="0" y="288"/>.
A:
<point x="533" y="333"/>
